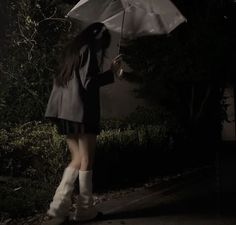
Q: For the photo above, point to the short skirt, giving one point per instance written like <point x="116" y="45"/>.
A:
<point x="67" y="127"/>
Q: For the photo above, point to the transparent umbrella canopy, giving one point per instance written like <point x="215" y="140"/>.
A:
<point x="129" y="19"/>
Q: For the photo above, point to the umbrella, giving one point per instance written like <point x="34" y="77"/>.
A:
<point x="128" y="19"/>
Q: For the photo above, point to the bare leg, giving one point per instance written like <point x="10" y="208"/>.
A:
<point x="82" y="149"/>
<point x="85" y="209"/>
<point x="87" y="145"/>
<point x="59" y="207"/>
<point x="73" y="145"/>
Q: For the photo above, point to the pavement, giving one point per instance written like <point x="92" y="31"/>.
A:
<point x="204" y="196"/>
<point x="194" y="199"/>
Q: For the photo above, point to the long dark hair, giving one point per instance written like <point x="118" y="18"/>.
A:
<point x="70" y="59"/>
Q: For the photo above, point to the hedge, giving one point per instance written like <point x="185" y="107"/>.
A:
<point x="35" y="150"/>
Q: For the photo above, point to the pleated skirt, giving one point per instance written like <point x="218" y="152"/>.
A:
<point x="66" y="127"/>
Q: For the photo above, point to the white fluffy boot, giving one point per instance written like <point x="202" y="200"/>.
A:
<point x="85" y="209"/>
<point x="61" y="203"/>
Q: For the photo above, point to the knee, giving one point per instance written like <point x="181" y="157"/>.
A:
<point x="75" y="164"/>
<point x="75" y="160"/>
<point x="86" y="163"/>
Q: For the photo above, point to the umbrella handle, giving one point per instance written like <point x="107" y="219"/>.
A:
<point x="118" y="57"/>
<point x="121" y="32"/>
<point x="121" y="71"/>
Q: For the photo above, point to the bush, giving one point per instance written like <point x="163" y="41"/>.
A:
<point x="32" y="158"/>
<point x="130" y="138"/>
<point x="33" y="150"/>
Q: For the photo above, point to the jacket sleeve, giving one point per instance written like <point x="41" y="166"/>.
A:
<point x="88" y="74"/>
<point x="105" y="78"/>
<point x="100" y="79"/>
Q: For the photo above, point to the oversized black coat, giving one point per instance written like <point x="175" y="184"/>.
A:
<point x="79" y="101"/>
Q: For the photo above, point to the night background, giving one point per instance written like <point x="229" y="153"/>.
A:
<point x="174" y="139"/>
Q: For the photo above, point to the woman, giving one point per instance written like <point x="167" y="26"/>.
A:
<point x="74" y="106"/>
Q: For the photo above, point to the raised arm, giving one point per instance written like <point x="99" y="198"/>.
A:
<point x="105" y="78"/>
<point x="88" y="71"/>
<point x="100" y="79"/>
